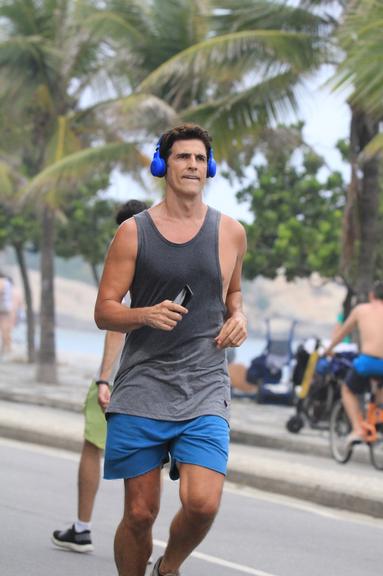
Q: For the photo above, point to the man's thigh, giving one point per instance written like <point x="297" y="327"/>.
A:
<point x="357" y="383"/>
<point x="142" y="494"/>
<point x="200" y="488"/>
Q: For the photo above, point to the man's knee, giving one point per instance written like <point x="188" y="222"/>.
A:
<point x="201" y="508"/>
<point x="140" y="517"/>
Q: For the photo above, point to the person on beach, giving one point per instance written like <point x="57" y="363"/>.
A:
<point x="6" y="312"/>
<point x="78" y="537"/>
<point x="181" y="260"/>
<point x="368" y="319"/>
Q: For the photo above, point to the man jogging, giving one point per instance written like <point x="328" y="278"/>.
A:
<point x="171" y="395"/>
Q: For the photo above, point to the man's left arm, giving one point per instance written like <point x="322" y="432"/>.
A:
<point x="234" y="330"/>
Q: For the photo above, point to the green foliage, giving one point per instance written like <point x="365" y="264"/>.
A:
<point x="297" y="215"/>
<point x="18" y="228"/>
<point x="87" y="230"/>
<point x="360" y="37"/>
<point x="87" y="223"/>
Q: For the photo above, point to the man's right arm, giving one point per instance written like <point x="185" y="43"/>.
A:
<point x="116" y="281"/>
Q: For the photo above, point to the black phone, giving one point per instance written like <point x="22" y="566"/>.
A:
<point x="184" y="297"/>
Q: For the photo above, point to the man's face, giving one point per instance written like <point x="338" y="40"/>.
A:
<point x="187" y="167"/>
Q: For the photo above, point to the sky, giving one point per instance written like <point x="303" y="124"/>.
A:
<point x="327" y="119"/>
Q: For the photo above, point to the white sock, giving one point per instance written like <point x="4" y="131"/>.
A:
<point x="82" y="526"/>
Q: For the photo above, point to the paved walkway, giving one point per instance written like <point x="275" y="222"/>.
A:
<point x="263" y="453"/>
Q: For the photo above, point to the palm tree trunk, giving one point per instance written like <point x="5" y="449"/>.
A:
<point x="47" y="369"/>
<point x="350" y="232"/>
<point x="95" y="274"/>
<point x="31" y="350"/>
<point x="360" y="224"/>
<point x="368" y="211"/>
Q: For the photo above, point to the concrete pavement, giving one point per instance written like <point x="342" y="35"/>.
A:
<point x="263" y="454"/>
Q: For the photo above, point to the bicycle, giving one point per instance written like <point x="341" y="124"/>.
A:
<point x="372" y="423"/>
<point x="319" y="390"/>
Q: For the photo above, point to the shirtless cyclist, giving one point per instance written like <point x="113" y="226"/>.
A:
<point x="368" y="319"/>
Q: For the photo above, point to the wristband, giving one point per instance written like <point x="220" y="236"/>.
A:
<point x="98" y="382"/>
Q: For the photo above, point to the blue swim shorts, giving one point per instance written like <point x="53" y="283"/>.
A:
<point x="136" y="445"/>
<point x="363" y="368"/>
<point x="368" y="365"/>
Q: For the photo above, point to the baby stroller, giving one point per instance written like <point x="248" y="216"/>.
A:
<point x="319" y="390"/>
<point x="272" y="370"/>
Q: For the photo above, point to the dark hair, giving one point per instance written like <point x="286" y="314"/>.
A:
<point x="377" y="290"/>
<point x="129" y="209"/>
<point x="184" y="132"/>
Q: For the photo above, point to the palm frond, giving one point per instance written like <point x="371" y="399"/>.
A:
<point x="269" y="15"/>
<point x="250" y="51"/>
<point x="374" y="148"/>
<point x="233" y="117"/>
<point x="361" y="37"/>
<point x="144" y="113"/>
<point x="63" y="176"/>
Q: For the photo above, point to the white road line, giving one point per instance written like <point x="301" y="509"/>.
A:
<point x="221" y="562"/>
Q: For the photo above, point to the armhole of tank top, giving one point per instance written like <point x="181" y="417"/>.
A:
<point x="139" y="235"/>
<point x="139" y="250"/>
<point x="218" y="263"/>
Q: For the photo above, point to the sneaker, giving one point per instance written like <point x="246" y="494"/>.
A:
<point x="156" y="571"/>
<point x="353" y="439"/>
<point x="72" y="540"/>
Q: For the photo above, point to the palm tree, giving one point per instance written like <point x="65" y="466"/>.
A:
<point x="360" y="38"/>
<point x="202" y="59"/>
<point x="51" y="54"/>
<point x="241" y="72"/>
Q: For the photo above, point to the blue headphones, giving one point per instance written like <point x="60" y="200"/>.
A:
<point x="158" y="165"/>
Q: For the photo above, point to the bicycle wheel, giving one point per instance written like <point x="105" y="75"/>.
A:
<point x="376" y="449"/>
<point x="340" y="428"/>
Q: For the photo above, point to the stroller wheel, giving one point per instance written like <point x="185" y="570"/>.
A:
<point x="294" y="424"/>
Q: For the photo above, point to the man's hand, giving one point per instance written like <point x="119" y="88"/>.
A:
<point x="233" y="332"/>
<point x="103" y="396"/>
<point x="328" y="352"/>
<point x="165" y="315"/>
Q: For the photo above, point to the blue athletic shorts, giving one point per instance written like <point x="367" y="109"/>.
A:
<point x="363" y="368"/>
<point x="136" y="445"/>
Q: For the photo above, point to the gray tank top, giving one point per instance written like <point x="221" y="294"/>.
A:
<point x="181" y="374"/>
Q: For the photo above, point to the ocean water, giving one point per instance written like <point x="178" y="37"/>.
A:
<point x="79" y="344"/>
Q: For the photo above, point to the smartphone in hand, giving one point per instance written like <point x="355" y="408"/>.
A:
<point x="184" y="297"/>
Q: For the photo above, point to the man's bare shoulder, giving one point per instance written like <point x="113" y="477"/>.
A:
<point x="125" y="239"/>
<point x="127" y="231"/>
<point x="232" y="226"/>
<point x="362" y="310"/>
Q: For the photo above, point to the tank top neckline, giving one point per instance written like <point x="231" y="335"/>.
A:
<point x="178" y="244"/>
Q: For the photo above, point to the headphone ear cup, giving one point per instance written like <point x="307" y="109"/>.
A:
<point x="158" y="165"/>
<point x="211" y="165"/>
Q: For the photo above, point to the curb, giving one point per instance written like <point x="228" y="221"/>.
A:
<point x="323" y="496"/>
<point x="41" y="438"/>
<point x="237" y="436"/>
<point x="287" y="444"/>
